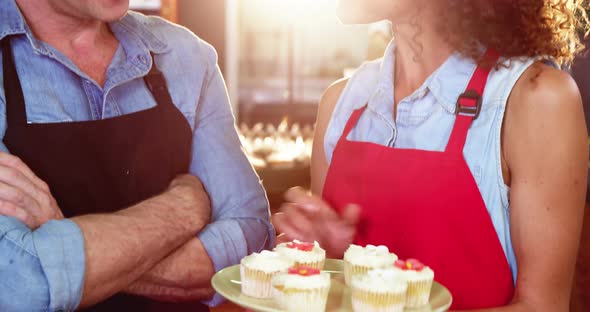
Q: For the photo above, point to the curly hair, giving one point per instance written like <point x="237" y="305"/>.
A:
<point x="515" y="28"/>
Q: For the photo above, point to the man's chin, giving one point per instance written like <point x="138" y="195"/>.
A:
<point x="112" y="10"/>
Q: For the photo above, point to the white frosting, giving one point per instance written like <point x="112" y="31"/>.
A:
<point x="295" y="281"/>
<point x="381" y="281"/>
<point x="383" y="274"/>
<point x="316" y="254"/>
<point x="414" y="276"/>
<point x="267" y="261"/>
<point x="371" y="256"/>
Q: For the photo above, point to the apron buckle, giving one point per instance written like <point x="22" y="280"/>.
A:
<point x="469" y="110"/>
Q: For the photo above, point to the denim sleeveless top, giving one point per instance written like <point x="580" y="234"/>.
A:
<point x="425" y="119"/>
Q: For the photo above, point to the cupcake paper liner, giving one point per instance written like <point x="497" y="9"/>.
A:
<point x="367" y="301"/>
<point x="302" y="300"/>
<point x="256" y="283"/>
<point x="315" y="265"/>
<point x="418" y="293"/>
<point x="351" y="270"/>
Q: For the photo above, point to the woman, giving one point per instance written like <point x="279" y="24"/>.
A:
<point x="464" y="147"/>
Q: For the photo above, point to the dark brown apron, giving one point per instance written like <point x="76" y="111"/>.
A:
<point x="102" y="166"/>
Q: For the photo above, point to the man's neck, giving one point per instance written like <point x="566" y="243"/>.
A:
<point x="61" y="29"/>
<point x="87" y="42"/>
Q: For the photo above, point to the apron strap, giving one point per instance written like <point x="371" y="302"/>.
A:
<point x="156" y="83"/>
<point x="16" y="114"/>
<point x="352" y="121"/>
<point x="469" y="104"/>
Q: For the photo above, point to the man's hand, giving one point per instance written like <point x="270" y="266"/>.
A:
<point x="23" y="195"/>
<point x="307" y="217"/>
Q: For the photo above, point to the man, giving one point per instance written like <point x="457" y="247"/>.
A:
<point x="109" y="117"/>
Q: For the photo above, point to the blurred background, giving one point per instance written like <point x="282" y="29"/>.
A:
<point x="278" y="56"/>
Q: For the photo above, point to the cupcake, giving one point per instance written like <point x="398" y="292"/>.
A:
<point x="419" y="279"/>
<point x="303" y="254"/>
<point x="359" y="260"/>
<point x="301" y="289"/>
<point x="257" y="270"/>
<point x="379" y="290"/>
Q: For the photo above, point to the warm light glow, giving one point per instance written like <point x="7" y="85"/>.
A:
<point x="284" y="125"/>
<point x="292" y="11"/>
<point x="283" y="146"/>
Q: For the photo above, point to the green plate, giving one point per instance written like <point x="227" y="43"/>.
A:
<point x="227" y="283"/>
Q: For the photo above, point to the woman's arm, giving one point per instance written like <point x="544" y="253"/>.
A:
<point x="319" y="162"/>
<point x="545" y="153"/>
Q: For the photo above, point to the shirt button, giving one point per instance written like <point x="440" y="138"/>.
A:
<point x="142" y="59"/>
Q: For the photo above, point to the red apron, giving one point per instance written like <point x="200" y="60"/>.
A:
<point x="426" y="205"/>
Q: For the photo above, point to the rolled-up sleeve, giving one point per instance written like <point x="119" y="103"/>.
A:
<point x="41" y="270"/>
<point x="240" y="213"/>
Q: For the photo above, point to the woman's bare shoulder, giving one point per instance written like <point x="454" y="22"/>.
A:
<point x="331" y="96"/>
<point x="545" y="88"/>
<point x="544" y="115"/>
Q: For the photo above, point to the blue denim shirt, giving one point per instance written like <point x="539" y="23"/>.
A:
<point x="425" y="119"/>
<point x="43" y="270"/>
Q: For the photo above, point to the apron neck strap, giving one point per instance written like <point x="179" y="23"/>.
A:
<point x="352" y="121"/>
<point x="15" y="101"/>
<point x="469" y="103"/>
<point x="156" y="83"/>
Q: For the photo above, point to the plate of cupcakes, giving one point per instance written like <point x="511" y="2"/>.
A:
<point x="296" y="276"/>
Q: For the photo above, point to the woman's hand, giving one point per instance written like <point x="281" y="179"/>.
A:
<point x="307" y="218"/>
<point x="23" y="195"/>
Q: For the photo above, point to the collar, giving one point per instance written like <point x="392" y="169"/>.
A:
<point x="132" y="27"/>
<point x="131" y="32"/>
<point x="445" y="84"/>
<point x="451" y="79"/>
<point x="11" y="20"/>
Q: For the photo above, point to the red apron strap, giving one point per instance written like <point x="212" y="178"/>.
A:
<point x="352" y="121"/>
<point x="469" y="104"/>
